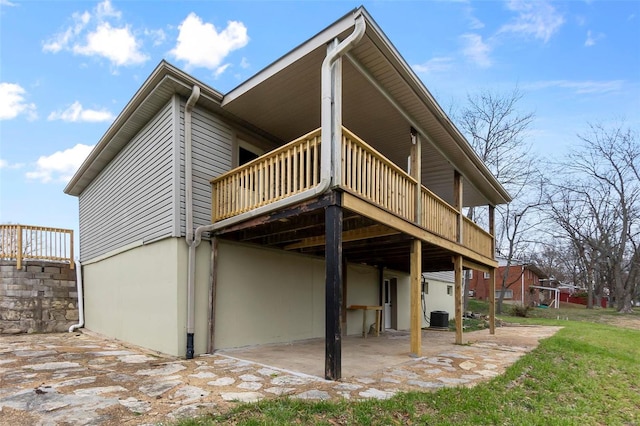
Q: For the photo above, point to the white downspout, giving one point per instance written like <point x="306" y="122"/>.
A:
<point x="188" y="175"/>
<point x="328" y="139"/>
<point x="80" y="323"/>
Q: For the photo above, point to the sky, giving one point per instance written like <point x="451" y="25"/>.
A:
<point x="68" y="68"/>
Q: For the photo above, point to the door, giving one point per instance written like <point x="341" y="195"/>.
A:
<point x="390" y="300"/>
<point x="387" y="304"/>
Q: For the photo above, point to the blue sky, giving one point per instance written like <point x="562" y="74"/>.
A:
<point x="67" y="68"/>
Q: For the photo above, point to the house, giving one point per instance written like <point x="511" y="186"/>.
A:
<point x="211" y="220"/>
<point x="521" y="281"/>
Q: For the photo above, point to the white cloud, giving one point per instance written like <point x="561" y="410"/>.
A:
<point x="534" y="18"/>
<point x="221" y="69"/>
<point x="476" y="50"/>
<point x="13" y="103"/>
<point x="579" y="87"/>
<point x="201" y="45"/>
<point x="157" y="36"/>
<point x="7" y="3"/>
<point x="474" y="23"/>
<point x="116" y="44"/>
<point x="4" y="164"/>
<point x="244" y="63"/>
<point x="100" y="34"/>
<point x="76" y="113"/>
<point x="59" y="166"/>
<point x="592" y="39"/>
<point x="437" y="64"/>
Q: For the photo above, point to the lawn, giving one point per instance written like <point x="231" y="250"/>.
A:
<point x="586" y="374"/>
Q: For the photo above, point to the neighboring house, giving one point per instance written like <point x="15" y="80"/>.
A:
<point x="520" y="277"/>
<point x="309" y="211"/>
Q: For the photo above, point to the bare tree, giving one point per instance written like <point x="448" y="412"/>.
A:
<point x="497" y="131"/>
<point x="598" y="209"/>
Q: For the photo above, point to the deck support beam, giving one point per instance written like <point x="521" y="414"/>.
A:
<point x="333" y="289"/>
<point x="492" y="301"/>
<point x="458" y="276"/>
<point x="416" y="319"/>
<point x="492" y="272"/>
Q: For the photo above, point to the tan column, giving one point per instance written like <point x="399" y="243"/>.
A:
<point x="492" y="273"/>
<point x="457" y="269"/>
<point x="492" y="301"/>
<point x="416" y="275"/>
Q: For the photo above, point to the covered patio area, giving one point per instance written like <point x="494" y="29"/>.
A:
<point x="387" y="360"/>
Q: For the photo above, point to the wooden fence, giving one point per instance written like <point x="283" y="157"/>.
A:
<point x="24" y="242"/>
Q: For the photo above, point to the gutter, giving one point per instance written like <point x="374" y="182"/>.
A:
<point x="330" y="132"/>
<point x="80" y="323"/>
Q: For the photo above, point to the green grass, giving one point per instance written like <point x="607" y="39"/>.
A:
<point x="586" y="374"/>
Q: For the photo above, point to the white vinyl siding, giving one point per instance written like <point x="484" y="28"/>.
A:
<point x="212" y="141"/>
<point x="131" y="199"/>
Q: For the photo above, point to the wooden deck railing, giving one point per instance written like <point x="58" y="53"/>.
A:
<point x="438" y="216"/>
<point x="278" y="174"/>
<point x="476" y="238"/>
<point x="24" y="242"/>
<point x="366" y="173"/>
<point x="372" y="176"/>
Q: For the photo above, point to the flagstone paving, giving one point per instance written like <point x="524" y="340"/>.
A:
<point x="82" y="379"/>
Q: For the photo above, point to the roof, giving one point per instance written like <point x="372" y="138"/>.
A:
<point x="283" y="102"/>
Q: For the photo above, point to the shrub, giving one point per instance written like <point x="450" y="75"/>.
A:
<point x="520" y="311"/>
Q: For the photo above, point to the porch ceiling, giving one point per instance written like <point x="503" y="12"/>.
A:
<point x="284" y="100"/>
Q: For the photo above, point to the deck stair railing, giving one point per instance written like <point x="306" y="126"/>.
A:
<point x="24" y="242"/>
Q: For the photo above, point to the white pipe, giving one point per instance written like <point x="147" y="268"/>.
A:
<point x="188" y="172"/>
<point x="329" y="132"/>
<point x="188" y="167"/>
<point x="80" y="323"/>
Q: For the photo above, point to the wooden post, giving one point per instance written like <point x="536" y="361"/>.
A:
<point x="333" y="288"/>
<point x="416" y="173"/>
<point x="71" y="261"/>
<point x="492" y="273"/>
<point x="457" y="269"/>
<point x="416" y="319"/>
<point x="213" y="284"/>
<point x="492" y="301"/>
<point x="492" y="229"/>
<point x="457" y="197"/>
<point x="19" y="243"/>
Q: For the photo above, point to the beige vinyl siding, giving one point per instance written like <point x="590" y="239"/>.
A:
<point x="211" y="152"/>
<point x="131" y="199"/>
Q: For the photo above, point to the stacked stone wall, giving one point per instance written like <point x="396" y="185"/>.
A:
<point x="39" y="298"/>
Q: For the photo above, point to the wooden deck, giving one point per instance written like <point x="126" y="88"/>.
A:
<point x="373" y="187"/>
